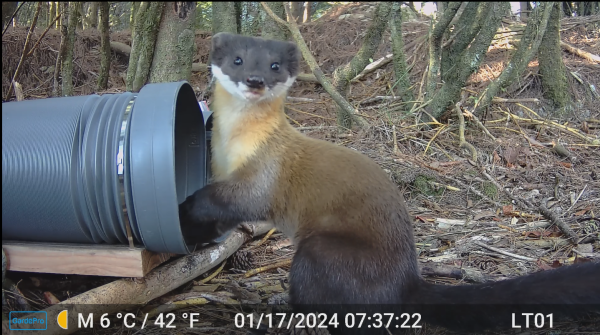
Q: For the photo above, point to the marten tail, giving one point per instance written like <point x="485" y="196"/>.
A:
<point x="571" y="292"/>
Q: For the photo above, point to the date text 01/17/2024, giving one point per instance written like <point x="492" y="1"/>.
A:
<point x="322" y="320"/>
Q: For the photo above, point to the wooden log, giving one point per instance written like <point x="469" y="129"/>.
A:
<point x="82" y="259"/>
<point x="114" y="297"/>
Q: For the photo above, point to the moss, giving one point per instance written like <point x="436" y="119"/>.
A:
<point x="422" y="183"/>
<point x="490" y="189"/>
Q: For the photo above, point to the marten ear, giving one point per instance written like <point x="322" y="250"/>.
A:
<point x="220" y="42"/>
<point x="293" y="56"/>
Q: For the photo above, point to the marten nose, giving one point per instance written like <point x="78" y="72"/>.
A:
<point x="255" y="82"/>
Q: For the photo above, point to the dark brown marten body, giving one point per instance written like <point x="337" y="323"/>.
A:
<point x="348" y="219"/>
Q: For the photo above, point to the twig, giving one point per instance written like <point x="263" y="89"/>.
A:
<point x="395" y="139"/>
<point x="480" y="125"/>
<point x="461" y="132"/>
<point x="264" y="239"/>
<point x="579" y="196"/>
<point x="253" y="272"/>
<point x="572" y="131"/>
<point x="500" y="100"/>
<point x="213" y="275"/>
<point x="506" y="253"/>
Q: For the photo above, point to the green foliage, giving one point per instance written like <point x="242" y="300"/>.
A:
<point x="204" y="15"/>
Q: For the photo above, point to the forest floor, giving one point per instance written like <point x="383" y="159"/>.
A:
<point x="455" y="202"/>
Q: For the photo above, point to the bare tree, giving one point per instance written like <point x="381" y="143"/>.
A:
<point x="104" y="47"/>
<point x="175" y="43"/>
<point x="224" y="18"/>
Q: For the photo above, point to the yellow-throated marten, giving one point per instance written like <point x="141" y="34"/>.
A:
<point x="349" y="222"/>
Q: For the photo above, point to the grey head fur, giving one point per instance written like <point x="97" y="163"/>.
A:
<point x="252" y="68"/>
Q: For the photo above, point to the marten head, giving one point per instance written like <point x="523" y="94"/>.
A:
<point x="253" y="69"/>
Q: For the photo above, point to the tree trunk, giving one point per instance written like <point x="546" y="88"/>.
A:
<point x="80" y="16"/>
<point x="297" y="10"/>
<point x="528" y="47"/>
<point x="224" y="18"/>
<point x="239" y="11"/>
<point x="147" y="20"/>
<point x="59" y="22"/>
<point x="135" y="6"/>
<point x="466" y="30"/>
<point x="104" y="47"/>
<point x="436" y="32"/>
<point x="56" y="90"/>
<point x="270" y="28"/>
<point x="93" y="14"/>
<point x="524" y="10"/>
<point x="552" y="67"/>
<point x="449" y="93"/>
<point x="401" y="73"/>
<point x="67" y="64"/>
<point x="343" y="74"/>
<point x="52" y="12"/>
<point x="175" y="43"/>
<point x="307" y="11"/>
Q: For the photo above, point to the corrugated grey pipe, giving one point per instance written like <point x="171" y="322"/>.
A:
<point x="102" y="169"/>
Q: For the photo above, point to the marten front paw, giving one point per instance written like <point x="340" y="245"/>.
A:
<point x="200" y="220"/>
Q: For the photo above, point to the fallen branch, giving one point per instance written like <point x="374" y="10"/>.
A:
<point x="292" y="26"/>
<point x="581" y="53"/>
<point x="111" y="298"/>
<point x="506" y="253"/>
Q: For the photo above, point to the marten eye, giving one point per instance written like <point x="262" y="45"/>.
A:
<point x="237" y="61"/>
<point x="275" y="66"/>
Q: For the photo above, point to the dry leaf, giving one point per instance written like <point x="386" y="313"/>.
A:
<point x="497" y="158"/>
<point x="507" y="210"/>
<point x="566" y="164"/>
<point x="583" y="211"/>
<point x="543" y="265"/>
